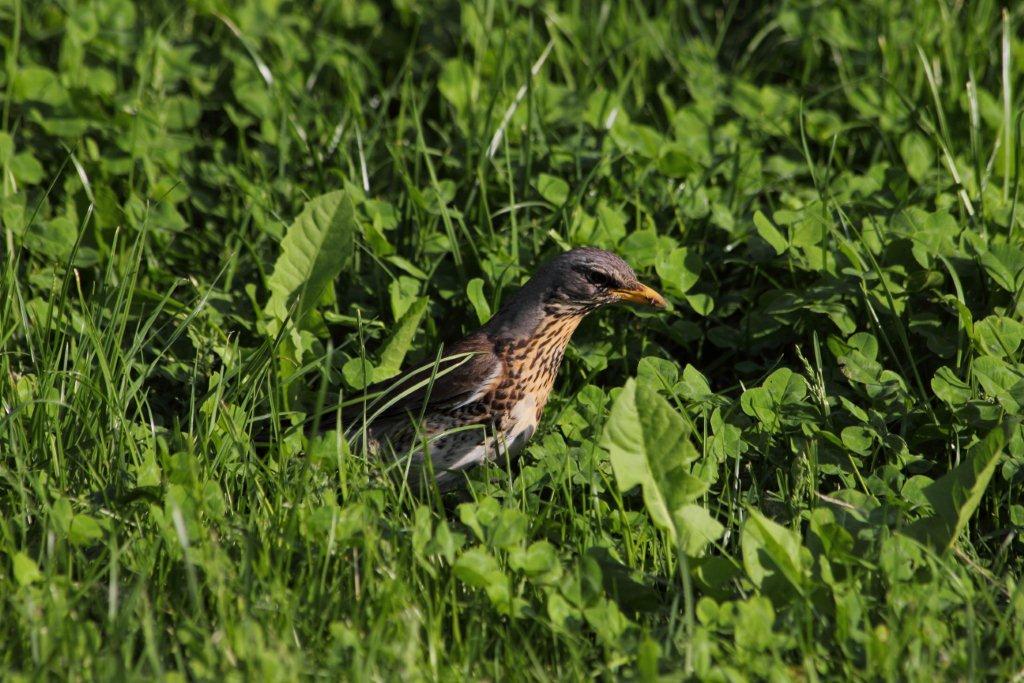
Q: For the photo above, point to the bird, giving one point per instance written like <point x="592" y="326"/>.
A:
<point x="483" y="398"/>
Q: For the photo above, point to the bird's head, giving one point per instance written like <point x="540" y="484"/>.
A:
<point x="586" y="278"/>
<point x="569" y="286"/>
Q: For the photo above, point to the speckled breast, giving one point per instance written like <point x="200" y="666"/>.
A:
<point x="531" y="367"/>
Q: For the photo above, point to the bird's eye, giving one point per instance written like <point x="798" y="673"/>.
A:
<point x="599" y="279"/>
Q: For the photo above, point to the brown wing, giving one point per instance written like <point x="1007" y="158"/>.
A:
<point x="466" y="370"/>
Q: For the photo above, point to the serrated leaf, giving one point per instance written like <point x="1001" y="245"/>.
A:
<point x="314" y="250"/>
<point x="649" y="446"/>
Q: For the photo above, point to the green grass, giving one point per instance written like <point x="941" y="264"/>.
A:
<point x="823" y="426"/>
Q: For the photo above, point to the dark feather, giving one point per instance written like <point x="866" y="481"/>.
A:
<point x="463" y="371"/>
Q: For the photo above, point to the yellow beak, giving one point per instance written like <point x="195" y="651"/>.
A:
<point x="642" y="294"/>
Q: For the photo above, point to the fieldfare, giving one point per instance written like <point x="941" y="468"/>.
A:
<point x="483" y="398"/>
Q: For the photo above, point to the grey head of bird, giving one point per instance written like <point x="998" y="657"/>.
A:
<point x="572" y="284"/>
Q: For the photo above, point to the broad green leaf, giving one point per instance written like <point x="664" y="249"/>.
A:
<point x="314" y="251"/>
<point x="769" y="549"/>
<point x="26" y="571"/>
<point x="678" y="270"/>
<point x="697" y="528"/>
<point x="649" y="446"/>
<point x="836" y="540"/>
<point x="657" y="372"/>
<point x="857" y="356"/>
<point x="401" y="341"/>
<point x="478" y="568"/>
<point x="61" y="514"/>
<point x="637" y="138"/>
<point x="998" y="335"/>
<point x="458" y="84"/>
<point x="479" y="515"/>
<point x="755" y="620"/>
<point x="950" y="388"/>
<point x="553" y="189"/>
<point x="691" y="132"/>
<point x="539" y="561"/>
<point x="694" y="386"/>
<point x="604" y="229"/>
<point x="607" y="620"/>
<point x="955" y="496"/>
<point x="475" y="292"/>
<point x="508" y="529"/>
<point x="54" y="238"/>
<point x="6" y="148"/>
<point x="769" y="233"/>
<point x="918" y="155"/>
<point x="934" y="234"/>
<point x="1004" y="263"/>
<point x="445" y="542"/>
<point x="560" y="611"/>
<point x="402" y="292"/>
<point x="648" y="653"/>
<point x="394" y="259"/>
<point x="84" y="530"/>
<point x="676" y="160"/>
<point x="37" y="84"/>
<point x="998" y="379"/>
<point x="782" y="387"/>
<point x="645" y="246"/>
<point x="497" y="526"/>
<point x="610" y="227"/>
<point x="437" y="197"/>
<point x="858" y="439"/>
<point x="26" y="169"/>
<point x="727" y="441"/>
<point x="702" y="304"/>
<point x="359" y="373"/>
<point x="785" y="386"/>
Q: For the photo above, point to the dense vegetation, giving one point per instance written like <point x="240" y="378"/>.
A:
<point x="219" y="218"/>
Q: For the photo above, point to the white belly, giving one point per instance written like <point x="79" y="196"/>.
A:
<point x="520" y="427"/>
